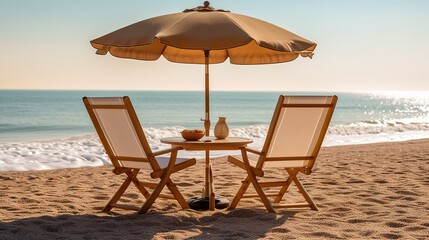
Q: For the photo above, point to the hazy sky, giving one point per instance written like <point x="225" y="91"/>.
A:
<point x="365" y="45"/>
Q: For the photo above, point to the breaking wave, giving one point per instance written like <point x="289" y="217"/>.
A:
<point x="86" y="151"/>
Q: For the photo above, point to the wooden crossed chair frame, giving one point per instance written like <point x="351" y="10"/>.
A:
<point x="125" y="143"/>
<point x="293" y="141"/>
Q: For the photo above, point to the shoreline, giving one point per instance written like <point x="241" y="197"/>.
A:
<point x="86" y="151"/>
<point x="376" y="190"/>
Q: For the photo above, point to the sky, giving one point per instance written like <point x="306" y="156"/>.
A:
<point x="363" y="45"/>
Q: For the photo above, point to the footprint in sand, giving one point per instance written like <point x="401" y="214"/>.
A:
<point x="410" y="199"/>
<point x="395" y="224"/>
<point x="391" y="236"/>
<point x="358" y="221"/>
<point x="409" y="193"/>
<point x="132" y="195"/>
<point x="101" y="197"/>
<point x="358" y="181"/>
<point x="407" y="220"/>
<point x="414" y="229"/>
<point x="381" y="181"/>
<point x="374" y="200"/>
<point x="324" y="235"/>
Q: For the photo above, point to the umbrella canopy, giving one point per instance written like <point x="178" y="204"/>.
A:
<point x="180" y="37"/>
<point x="204" y="35"/>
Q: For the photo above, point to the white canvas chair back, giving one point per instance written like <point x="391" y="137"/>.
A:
<point x="297" y="130"/>
<point x="120" y="133"/>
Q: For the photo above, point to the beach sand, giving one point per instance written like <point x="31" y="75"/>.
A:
<point x="362" y="191"/>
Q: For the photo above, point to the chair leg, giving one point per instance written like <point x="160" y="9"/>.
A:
<point x="286" y="186"/>
<point x="179" y="197"/>
<point x="120" y="191"/>
<point x="305" y="194"/>
<point x="251" y="176"/>
<point x="165" y="178"/>
<point x="139" y="186"/>
<point x="260" y="192"/>
<point x="239" y="194"/>
<point x="282" y="191"/>
<point x="148" y="203"/>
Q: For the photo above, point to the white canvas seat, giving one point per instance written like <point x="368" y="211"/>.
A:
<point x="296" y="133"/>
<point x="162" y="162"/>
<point x="253" y="161"/>
<point x="125" y="143"/>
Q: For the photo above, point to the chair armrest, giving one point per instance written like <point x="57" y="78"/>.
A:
<point x="168" y="150"/>
<point x="171" y="163"/>
<point x="253" y="151"/>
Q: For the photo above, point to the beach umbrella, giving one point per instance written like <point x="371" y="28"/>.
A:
<point x="205" y="35"/>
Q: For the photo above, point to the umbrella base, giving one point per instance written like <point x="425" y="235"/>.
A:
<point x="202" y="203"/>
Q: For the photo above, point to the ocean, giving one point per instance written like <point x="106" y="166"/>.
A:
<point x="41" y="130"/>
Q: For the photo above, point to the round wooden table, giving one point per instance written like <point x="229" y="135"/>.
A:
<point x="207" y="144"/>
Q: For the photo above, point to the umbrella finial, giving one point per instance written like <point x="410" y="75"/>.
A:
<point x="205" y="8"/>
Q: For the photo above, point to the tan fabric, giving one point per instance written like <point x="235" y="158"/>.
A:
<point x="284" y="164"/>
<point x="253" y="160"/>
<point x="162" y="162"/>
<point x="134" y="164"/>
<point x="297" y="131"/>
<point x="121" y="134"/>
<point x="180" y="37"/>
<point x="119" y="130"/>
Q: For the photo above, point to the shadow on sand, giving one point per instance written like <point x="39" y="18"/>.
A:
<point x="236" y="224"/>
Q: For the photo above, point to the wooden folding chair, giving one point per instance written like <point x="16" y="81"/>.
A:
<point x="125" y="143"/>
<point x="294" y="138"/>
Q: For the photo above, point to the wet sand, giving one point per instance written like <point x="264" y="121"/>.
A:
<point x="362" y="191"/>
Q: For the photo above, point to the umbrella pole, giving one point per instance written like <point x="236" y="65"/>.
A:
<point x="207" y="92"/>
<point x="208" y="188"/>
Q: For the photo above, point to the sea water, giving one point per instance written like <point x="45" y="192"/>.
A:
<point x="51" y="129"/>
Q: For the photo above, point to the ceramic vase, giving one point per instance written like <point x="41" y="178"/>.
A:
<point x="221" y="129"/>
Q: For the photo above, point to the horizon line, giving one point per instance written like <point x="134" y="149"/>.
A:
<point x="262" y="91"/>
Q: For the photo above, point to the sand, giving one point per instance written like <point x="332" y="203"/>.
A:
<point x="362" y="191"/>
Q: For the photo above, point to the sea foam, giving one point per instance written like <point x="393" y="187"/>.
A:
<point x="87" y="151"/>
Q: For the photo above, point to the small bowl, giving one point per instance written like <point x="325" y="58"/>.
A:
<point x="192" y="135"/>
